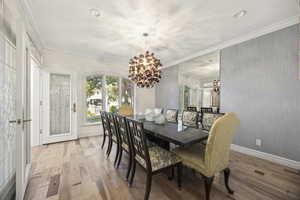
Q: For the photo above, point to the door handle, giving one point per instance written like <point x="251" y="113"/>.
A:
<point x="17" y="121"/>
<point x="74" y="107"/>
<point x="27" y="120"/>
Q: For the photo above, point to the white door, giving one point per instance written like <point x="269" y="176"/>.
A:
<point x="23" y="118"/>
<point x="59" y="108"/>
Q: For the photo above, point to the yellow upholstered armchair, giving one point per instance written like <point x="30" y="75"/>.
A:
<point x="214" y="157"/>
<point x="126" y="110"/>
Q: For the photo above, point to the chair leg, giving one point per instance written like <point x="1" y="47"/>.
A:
<point x="208" y="181"/>
<point x="132" y="172"/>
<point x="120" y="157"/>
<point x="148" y="185"/>
<point x="109" y="147"/>
<point x="226" y="179"/>
<point x="179" y="174"/>
<point x="103" y="142"/>
<point x="171" y="176"/>
<point x="129" y="166"/>
<point x="117" y="154"/>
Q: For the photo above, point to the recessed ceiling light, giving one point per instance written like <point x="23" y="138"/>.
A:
<point x="239" y="14"/>
<point x="94" y="12"/>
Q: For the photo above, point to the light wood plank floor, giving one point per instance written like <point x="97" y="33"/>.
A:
<point x="79" y="170"/>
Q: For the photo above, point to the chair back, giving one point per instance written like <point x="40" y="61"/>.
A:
<point x="105" y="123"/>
<point x="112" y="126"/>
<point x="172" y="115"/>
<point x="208" y="120"/>
<point x="190" y="118"/>
<point x="192" y="108"/>
<point x="219" y="141"/>
<point x="138" y="141"/>
<point x="123" y="130"/>
<point x="206" y="110"/>
<point x="126" y="110"/>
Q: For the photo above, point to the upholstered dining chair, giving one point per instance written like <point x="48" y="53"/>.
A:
<point x="126" y="110"/>
<point x="105" y="126"/>
<point x="192" y="108"/>
<point x="152" y="159"/>
<point x="172" y="115"/>
<point x="114" y="136"/>
<point x="208" y="119"/>
<point x="124" y="144"/>
<point x="190" y="118"/>
<point x="214" y="157"/>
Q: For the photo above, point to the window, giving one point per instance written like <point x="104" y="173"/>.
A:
<point x="106" y="93"/>
<point x="94" y="100"/>
<point x="127" y="89"/>
<point x="112" y="93"/>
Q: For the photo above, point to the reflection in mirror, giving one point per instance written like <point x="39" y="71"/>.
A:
<point x="199" y="82"/>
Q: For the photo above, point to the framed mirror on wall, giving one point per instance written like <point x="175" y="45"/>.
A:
<point x="199" y="81"/>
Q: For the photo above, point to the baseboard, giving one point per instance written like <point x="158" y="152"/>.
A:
<point x="91" y="134"/>
<point x="266" y="156"/>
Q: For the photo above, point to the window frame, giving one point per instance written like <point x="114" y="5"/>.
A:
<point x="104" y="92"/>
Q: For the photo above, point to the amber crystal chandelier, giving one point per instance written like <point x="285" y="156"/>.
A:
<point x="144" y="70"/>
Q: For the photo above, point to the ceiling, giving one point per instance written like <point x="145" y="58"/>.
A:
<point x="204" y="68"/>
<point x="176" y="28"/>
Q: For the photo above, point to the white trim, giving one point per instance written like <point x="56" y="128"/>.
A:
<point x="268" y="29"/>
<point x="266" y="156"/>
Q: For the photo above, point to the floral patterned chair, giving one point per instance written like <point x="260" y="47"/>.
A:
<point x="190" y="118"/>
<point x="172" y="115"/>
<point x="214" y="157"/>
<point x="208" y="119"/>
<point x="152" y="159"/>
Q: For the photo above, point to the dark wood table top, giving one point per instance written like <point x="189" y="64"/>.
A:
<point x="175" y="133"/>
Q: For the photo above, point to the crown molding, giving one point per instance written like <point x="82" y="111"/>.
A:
<point x="29" y="20"/>
<point x="255" y="34"/>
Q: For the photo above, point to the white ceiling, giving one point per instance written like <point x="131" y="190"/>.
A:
<point x="204" y="68"/>
<point x="176" y="28"/>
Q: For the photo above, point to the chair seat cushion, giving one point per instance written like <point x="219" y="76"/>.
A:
<point x="125" y="146"/>
<point x="193" y="157"/>
<point x="114" y="138"/>
<point x="160" y="158"/>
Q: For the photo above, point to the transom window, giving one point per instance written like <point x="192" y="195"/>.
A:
<point x="107" y="93"/>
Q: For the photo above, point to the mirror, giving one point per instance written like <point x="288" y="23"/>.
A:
<point x="199" y="81"/>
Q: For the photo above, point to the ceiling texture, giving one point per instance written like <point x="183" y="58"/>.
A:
<point x="176" y="28"/>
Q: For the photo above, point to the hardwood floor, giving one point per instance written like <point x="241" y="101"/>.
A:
<point x="79" y="170"/>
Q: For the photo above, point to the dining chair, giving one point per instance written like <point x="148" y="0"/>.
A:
<point x="192" y="108"/>
<point x="152" y="159"/>
<point x="172" y="115"/>
<point x="105" y="127"/>
<point x="208" y="119"/>
<point x="114" y="136"/>
<point x="126" y="110"/>
<point x="206" y="110"/>
<point x="190" y="118"/>
<point x="124" y="144"/>
<point x="214" y="157"/>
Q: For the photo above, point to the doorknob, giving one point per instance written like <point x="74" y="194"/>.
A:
<point x="18" y="121"/>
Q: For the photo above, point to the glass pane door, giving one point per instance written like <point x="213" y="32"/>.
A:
<point x="7" y="113"/>
<point x="60" y="104"/>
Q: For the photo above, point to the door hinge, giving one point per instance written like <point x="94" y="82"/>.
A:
<point x="41" y="103"/>
<point x="41" y="131"/>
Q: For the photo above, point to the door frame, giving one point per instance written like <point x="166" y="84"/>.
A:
<point x="46" y="138"/>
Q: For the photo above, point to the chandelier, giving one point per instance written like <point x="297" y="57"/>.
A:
<point x="144" y="70"/>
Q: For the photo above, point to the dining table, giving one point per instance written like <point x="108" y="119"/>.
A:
<point x="172" y="133"/>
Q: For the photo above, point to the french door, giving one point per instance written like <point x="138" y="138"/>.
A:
<point x="59" y="107"/>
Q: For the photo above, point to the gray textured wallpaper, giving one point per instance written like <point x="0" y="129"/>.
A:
<point x="260" y="83"/>
<point x="167" y="91"/>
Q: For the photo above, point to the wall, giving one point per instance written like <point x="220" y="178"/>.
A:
<point x="259" y="81"/>
<point x="167" y="91"/>
<point x="60" y="62"/>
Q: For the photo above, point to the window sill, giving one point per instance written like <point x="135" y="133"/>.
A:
<point x="92" y="124"/>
